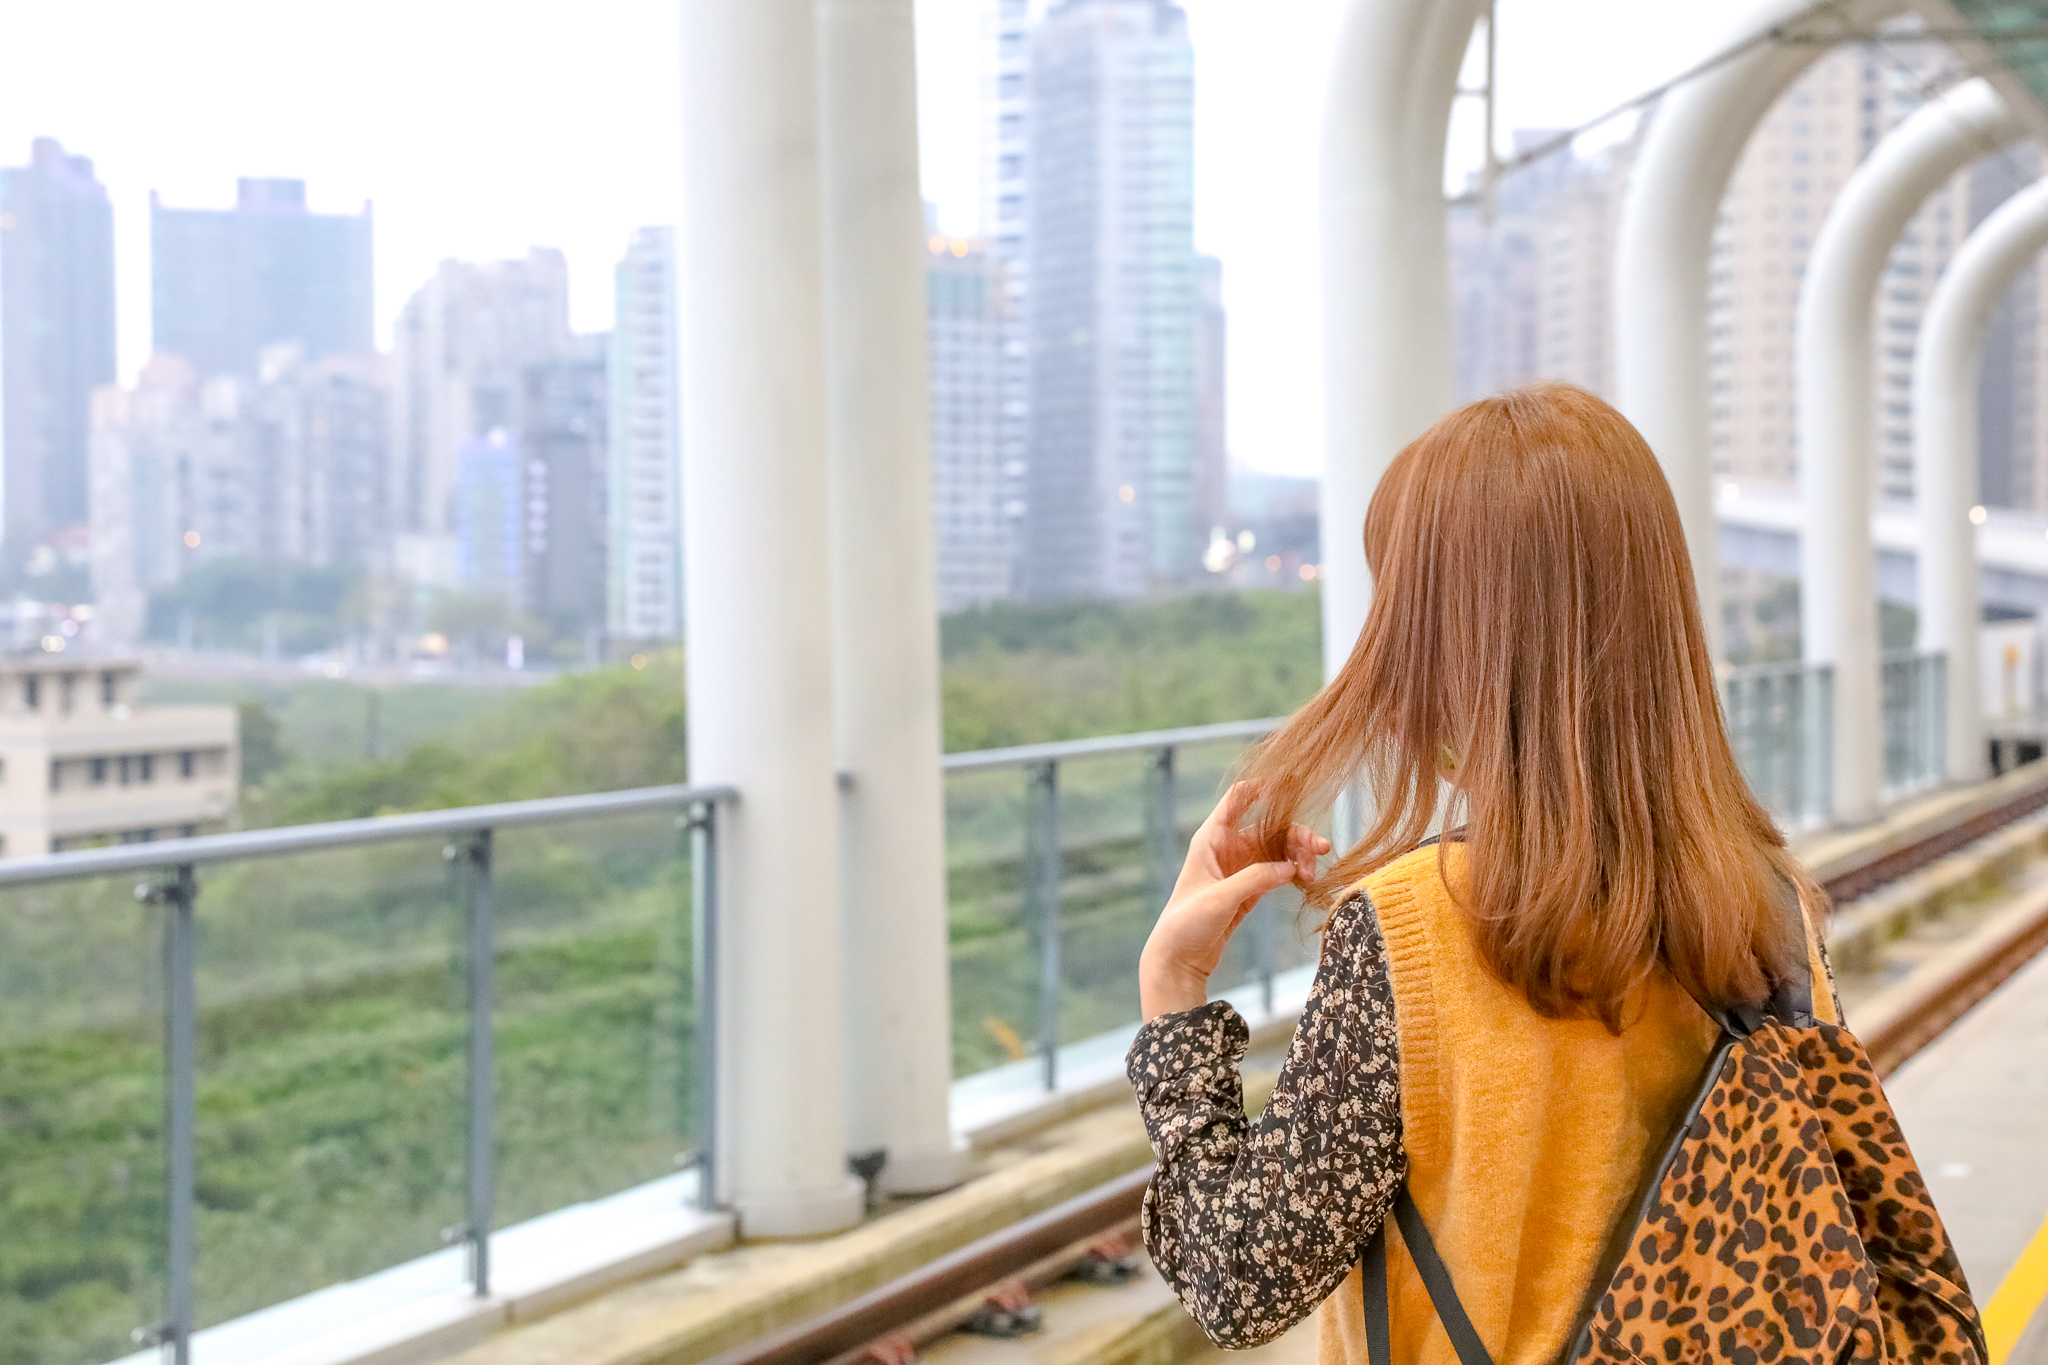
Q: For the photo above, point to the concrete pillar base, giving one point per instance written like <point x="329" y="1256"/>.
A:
<point x="925" y="1172"/>
<point x="803" y="1213"/>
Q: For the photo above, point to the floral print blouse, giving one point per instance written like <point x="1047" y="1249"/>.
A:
<point x="1254" y="1223"/>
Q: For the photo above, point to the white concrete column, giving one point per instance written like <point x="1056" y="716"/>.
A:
<point x="1666" y="237"/>
<point x="1834" y="372"/>
<point x="885" y="684"/>
<point x="1386" y="272"/>
<point x="758" y="584"/>
<point x="1946" y="366"/>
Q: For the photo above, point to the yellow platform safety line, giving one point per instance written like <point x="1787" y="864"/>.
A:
<point x="2018" y="1299"/>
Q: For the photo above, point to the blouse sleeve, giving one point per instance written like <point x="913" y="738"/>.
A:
<point x="1254" y="1224"/>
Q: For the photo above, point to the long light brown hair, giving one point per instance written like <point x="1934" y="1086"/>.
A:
<point x="1533" y="660"/>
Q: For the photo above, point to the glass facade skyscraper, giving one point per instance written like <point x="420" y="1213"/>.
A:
<point x="1112" y="301"/>
<point x="56" y="338"/>
<point x="969" y="319"/>
<point x="644" y="591"/>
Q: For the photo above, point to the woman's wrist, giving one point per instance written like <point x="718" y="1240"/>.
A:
<point x="1165" y="988"/>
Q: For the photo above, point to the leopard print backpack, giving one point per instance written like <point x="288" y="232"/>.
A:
<point x="1783" y="1224"/>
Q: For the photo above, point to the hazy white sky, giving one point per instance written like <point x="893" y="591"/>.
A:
<point x="480" y="129"/>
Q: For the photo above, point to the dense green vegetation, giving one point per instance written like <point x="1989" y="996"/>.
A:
<point x="321" y="724"/>
<point x="1018" y="673"/>
<point x="332" y="1024"/>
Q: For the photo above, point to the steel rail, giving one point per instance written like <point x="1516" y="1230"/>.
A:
<point x="1900" y="862"/>
<point x="1961" y="986"/>
<point x="338" y="834"/>
<point x="931" y="1288"/>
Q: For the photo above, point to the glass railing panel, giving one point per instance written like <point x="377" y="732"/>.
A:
<point x="332" y="1036"/>
<point x="82" y="1157"/>
<point x="1108" y="889"/>
<point x="1115" y="859"/>
<point x="1779" y="726"/>
<point x="1914" y="702"/>
<point x="595" y="1019"/>
<point x="1276" y="934"/>
<point x="993" y="940"/>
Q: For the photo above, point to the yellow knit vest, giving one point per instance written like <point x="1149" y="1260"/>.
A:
<point x="1526" y="1136"/>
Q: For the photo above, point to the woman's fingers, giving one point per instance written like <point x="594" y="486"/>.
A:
<point x="1304" y="845"/>
<point x="1248" y="884"/>
<point x="1235" y="803"/>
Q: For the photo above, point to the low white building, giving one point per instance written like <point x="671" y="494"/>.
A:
<point x="82" y="764"/>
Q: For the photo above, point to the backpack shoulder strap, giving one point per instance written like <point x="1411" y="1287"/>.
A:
<point x="1791" y="998"/>
<point x="1436" y="1278"/>
<point x="1792" y="1001"/>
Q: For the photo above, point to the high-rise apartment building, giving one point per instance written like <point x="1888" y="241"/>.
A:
<point x="490" y="520"/>
<point x="56" y="339"/>
<point x="565" y="456"/>
<point x="1111" y="301"/>
<point x="459" y="359"/>
<point x="1212" y="369"/>
<point x="968" y="314"/>
<point x="529" y="512"/>
<point x="1531" y="273"/>
<point x="644" y="589"/>
<point x="1006" y="161"/>
<point x="1789" y="176"/>
<point x="226" y="283"/>
<point x="146" y="446"/>
<point x="285" y="464"/>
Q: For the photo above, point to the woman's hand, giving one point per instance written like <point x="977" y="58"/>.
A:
<point x="1219" y="884"/>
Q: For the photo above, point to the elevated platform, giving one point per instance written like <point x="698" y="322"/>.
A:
<point x="1975" y="1107"/>
<point x="668" y="1284"/>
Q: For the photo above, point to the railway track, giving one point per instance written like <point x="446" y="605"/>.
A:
<point x="888" y="1324"/>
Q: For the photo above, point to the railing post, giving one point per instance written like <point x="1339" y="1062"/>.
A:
<point x="1166" y="821"/>
<point x="181" y="1105"/>
<point x="475" y="853"/>
<point x="1045" y="785"/>
<point x="703" y="826"/>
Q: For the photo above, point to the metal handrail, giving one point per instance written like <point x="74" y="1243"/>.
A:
<point x="1026" y="755"/>
<point x="1775" y="668"/>
<point x="1044" y="854"/>
<point x="170" y="880"/>
<point x="336" y="834"/>
<point x="174" y="885"/>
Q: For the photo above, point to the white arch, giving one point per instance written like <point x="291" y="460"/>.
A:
<point x="1946" y="365"/>
<point x="1386" y="270"/>
<point x="1666" y="236"/>
<point x="1834" y="374"/>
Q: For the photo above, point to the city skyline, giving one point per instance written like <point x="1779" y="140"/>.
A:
<point x="581" y="171"/>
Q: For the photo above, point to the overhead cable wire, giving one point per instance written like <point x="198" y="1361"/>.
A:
<point x="1788" y="33"/>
